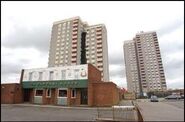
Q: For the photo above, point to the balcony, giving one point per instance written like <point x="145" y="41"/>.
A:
<point x="99" y="37"/>
<point x="74" y="50"/>
<point x="73" y="59"/>
<point x="99" y="59"/>
<point x="100" y="64"/>
<point x="74" y="32"/>
<point x="74" y="37"/>
<point x="99" y="46"/>
<point x="100" y="54"/>
<point x="75" y="22"/>
<point x="99" y="50"/>
<point x="99" y="43"/>
<point x="98" y="33"/>
<point x="74" y="45"/>
<point x="73" y="54"/>
<point x="98" y="29"/>
<point x="75" y="29"/>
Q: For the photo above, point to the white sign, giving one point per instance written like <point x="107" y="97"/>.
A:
<point x="56" y="73"/>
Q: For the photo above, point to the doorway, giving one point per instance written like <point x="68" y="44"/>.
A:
<point x="84" y="97"/>
<point x="27" y="93"/>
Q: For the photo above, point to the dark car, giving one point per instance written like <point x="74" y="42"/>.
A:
<point x="173" y="97"/>
<point x="154" y="99"/>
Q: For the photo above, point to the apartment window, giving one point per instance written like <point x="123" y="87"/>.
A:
<point x="51" y="74"/>
<point x="63" y="74"/>
<point x="59" y="29"/>
<point x="48" y="93"/>
<point x="92" y="34"/>
<point x="59" y="25"/>
<point x="30" y="75"/>
<point x="38" y="92"/>
<point x="73" y="93"/>
<point x="62" y="93"/>
<point x="64" y="24"/>
<point x="40" y="75"/>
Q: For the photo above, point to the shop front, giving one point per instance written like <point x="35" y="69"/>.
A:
<point x="68" y="92"/>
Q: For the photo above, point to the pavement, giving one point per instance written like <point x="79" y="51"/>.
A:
<point x="162" y="110"/>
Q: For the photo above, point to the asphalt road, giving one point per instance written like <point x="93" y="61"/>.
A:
<point x="162" y="111"/>
<point x="30" y="113"/>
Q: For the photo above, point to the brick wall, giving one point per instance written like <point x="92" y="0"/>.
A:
<point x="94" y="75"/>
<point x="105" y="94"/>
<point x="11" y="93"/>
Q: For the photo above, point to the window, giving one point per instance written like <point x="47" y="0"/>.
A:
<point x="30" y="75"/>
<point x="51" y="73"/>
<point x="40" y="75"/>
<point x="62" y="93"/>
<point x="73" y="93"/>
<point x="76" y="73"/>
<point x="48" y="93"/>
<point x="38" y="93"/>
<point x="63" y="74"/>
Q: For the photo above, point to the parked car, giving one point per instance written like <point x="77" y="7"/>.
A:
<point x="173" y="97"/>
<point x="182" y="96"/>
<point x="154" y="99"/>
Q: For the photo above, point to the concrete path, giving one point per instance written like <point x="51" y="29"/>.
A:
<point x="161" y="111"/>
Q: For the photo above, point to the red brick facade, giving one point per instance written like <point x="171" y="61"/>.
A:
<point x="11" y="93"/>
<point x="105" y="94"/>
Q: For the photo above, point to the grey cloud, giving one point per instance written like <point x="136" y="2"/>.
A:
<point x="170" y="28"/>
<point x="10" y="68"/>
<point x="174" y="68"/>
<point x="179" y="84"/>
<point x="117" y="58"/>
<point x="119" y="72"/>
<point x="22" y="37"/>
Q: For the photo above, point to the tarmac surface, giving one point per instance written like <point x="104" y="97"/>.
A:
<point x="33" y="112"/>
<point x="46" y="113"/>
<point x="165" y="110"/>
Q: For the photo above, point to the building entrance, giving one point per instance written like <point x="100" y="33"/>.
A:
<point x="84" y="96"/>
<point x="27" y="93"/>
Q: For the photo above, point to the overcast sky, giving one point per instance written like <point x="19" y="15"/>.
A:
<point x="26" y="31"/>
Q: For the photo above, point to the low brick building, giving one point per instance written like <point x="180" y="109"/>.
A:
<point x="11" y="93"/>
<point x="68" y="86"/>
